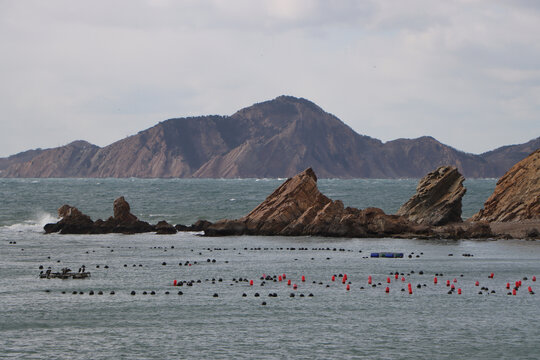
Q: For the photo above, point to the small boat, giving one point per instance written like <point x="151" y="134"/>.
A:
<point x="391" y="255"/>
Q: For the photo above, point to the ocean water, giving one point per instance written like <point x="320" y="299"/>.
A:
<point x="43" y="319"/>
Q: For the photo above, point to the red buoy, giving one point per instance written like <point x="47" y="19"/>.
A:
<point x="388" y="280"/>
<point x="508" y="285"/>
<point x="369" y="279"/>
<point x="343" y="280"/>
<point x="174" y="282"/>
<point x="348" y="287"/>
<point x="491" y="275"/>
<point x="403" y="278"/>
<point x="397" y="276"/>
<point x="459" y="291"/>
<point x="333" y="278"/>
<point x="295" y="287"/>
<point x="514" y="291"/>
<point x="455" y="280"/>
<point x="410" y="288"/>
<point x="477" y="283"/>
<point x="452" y="287"/>
<point x="345" y="277"/>
<point x="435" y="280"/>
<point x="387" y="289"/>
<point x="284" y="276"/>
<point x="250" y="282"/>
<point x="447" y="282"/>
<point x="289" y="282"/>
<point x="529" y="289"/>
<point x="303" y="278"/>
<point x="279" y="278"/>
<point x="534" y="278"/>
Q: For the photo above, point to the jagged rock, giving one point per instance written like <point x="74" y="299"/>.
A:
<point x="297" y="207"/>
<point x="164" y="228"/>
<point x="124" y="221"/>
<point x="72" y="221"/>
<point x="438" y="198"/>
<point x="75" y="222"/>
<point x="199" y="225"/>
<point x="517" y="194"/>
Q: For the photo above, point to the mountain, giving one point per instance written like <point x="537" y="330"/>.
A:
<point x="276" y="138"/>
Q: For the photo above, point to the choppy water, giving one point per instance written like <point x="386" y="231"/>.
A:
<point x="42" y="319"/>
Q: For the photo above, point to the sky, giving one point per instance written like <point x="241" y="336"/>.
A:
<point x="466" y="72"/>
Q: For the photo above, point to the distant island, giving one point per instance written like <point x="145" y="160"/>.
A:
<point x="276" y="138"/>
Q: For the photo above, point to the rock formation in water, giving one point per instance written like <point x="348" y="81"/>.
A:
<point x="73" y="221"/>
<point x="438" y="198"/>
<point x="517" y="194"/>
<point x="276" y="138"/>
<point x="297" y="207"/>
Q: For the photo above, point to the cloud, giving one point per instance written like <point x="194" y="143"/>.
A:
<point x="465" y="72"/>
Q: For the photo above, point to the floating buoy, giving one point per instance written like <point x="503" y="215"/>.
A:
<point x="435" y="280"/>
<point x="333" y="278"/>
<point x="174" y="282"/>
<point x="397" y="276"/>
<point x="344" y="277"/>
<point x="529" y="289"/>
<point x="514" y="291"/>
<point x="534" y="278"/>
<point x="447" y="282"/>
<point x="452" y="287"/>
<point x="387" y="290"/>
<point x="508" y="285"/>
<point x="477" y="283"/>
<point x="403" y="279"/>
<point x="279" y="277"/>
<point x="388" y="280"/>
<point x="369" y="280"/>
<point x="491" y="275"/>
<point x="303" y="278"/>
<point x="284" y="276"/>
<point x="348" y="287"/>
<point x="455" y="280"/>
<point x="459" y="291"/>
<point x="250" y="282"/>
<point x="410" y="288"/>
<point x="289" y="282"/>
<point x="295" y="287"/>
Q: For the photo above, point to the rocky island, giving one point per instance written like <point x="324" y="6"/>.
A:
<point x="298" y="208"/>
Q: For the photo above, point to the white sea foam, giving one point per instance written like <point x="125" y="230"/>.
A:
<point x="35" y="224"/>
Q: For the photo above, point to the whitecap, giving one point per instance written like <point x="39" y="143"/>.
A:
<point x="32" y="225"/>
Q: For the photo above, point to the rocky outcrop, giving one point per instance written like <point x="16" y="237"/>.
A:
<point x="276" y="138"/>
<point x="199" y="225"/>
<point x="73" y="221"/>
<point x="517" y="194"/>
<point x="438" y="198"/>
<point x="297" y="207"/>
<point x="164" y="228"/>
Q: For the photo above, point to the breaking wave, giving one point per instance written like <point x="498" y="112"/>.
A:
<point x="32" y="225"/>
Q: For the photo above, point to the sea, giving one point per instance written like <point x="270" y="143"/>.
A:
<point x="252" y="297"/>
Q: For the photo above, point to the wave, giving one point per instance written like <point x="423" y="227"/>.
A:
<point x="32" y="225"/>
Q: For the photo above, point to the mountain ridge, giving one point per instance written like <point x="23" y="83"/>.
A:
<point x="274" y="138"/>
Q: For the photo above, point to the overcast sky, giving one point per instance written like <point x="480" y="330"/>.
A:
<point x="464" y="72"/>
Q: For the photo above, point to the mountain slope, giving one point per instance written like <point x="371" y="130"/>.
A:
<point x="276" y="138"/>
